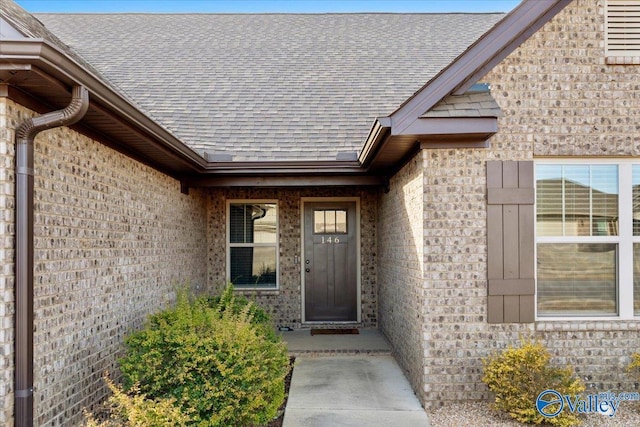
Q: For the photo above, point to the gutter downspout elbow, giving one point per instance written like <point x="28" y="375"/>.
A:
<point x="25" y="136"/>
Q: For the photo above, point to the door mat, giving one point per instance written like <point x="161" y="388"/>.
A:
<point x="341" y="331"/>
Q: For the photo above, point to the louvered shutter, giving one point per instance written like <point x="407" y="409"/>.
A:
<point x="623" y="31"/>
<point x="510" y="242"/>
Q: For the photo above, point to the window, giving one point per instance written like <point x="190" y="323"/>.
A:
<point x="623" y="31"/>
<point x="330" y="221"/>
<point x="252" y="244"/>
<point x="588" y="239"/>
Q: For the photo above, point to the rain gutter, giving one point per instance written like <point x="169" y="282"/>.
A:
<point x="25" y="136"/>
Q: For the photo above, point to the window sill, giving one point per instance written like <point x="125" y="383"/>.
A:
<point x="623" y="60"/>
<point x="577" y="324"/>
<point x="257" y="291"/>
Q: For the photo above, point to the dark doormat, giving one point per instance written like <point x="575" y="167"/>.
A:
<point x="340" y="331"/>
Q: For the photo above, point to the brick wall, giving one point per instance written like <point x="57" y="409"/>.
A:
<point x="7" y="255"/>
<point x="285" y="304"/>
<point x="401" y="268"/>
<point x="113" y="240"/>
<point x="457" y="334"/>
<point x="559" y="98"/>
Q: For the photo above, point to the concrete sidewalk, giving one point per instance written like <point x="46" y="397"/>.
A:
<point x="353" y="391"/>
<point x="368" y="341"/>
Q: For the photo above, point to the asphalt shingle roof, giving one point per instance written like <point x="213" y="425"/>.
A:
<point x="269" y="86"/>
<point x="471" y="104"/>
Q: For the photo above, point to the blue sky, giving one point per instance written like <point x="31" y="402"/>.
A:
<point x="249" y="6"/>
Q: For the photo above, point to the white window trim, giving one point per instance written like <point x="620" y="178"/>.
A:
<point x="625" y="240"/>
<point x="250" y="245"/>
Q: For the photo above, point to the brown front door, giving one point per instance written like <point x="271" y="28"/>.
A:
<point x="330" y="261"/>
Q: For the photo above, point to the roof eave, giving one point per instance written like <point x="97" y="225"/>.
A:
<point x="41" y="57"/>
<point x="333" y="179"/>
<point x="285" y="167"/>
<point x="48" y="58"/>
<point x="452" y="127"/>
<point x="375" y="140"/>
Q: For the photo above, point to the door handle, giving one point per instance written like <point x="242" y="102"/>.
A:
<point x="308" y="270"/>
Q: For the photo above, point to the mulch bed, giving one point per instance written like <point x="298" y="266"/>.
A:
<point x="287" y="384"/>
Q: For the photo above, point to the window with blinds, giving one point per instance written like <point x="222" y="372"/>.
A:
<point x="577" y="200"/>
<point x="252" y="244"/>
<point x="577" y="244"/>
<point x="622" y="31"/>
<point x="588" y="238"/>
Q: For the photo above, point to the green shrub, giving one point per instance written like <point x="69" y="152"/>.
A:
<point x="634" y="366"/>
<point x="221" y="367"/>
<point x="518" y="375"/>
<point x="238" y="302"/>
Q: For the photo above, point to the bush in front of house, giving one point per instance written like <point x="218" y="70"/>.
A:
<point x="214" y="361"/>
<point x="634" y="366"/>
<point x="518" y="375"/>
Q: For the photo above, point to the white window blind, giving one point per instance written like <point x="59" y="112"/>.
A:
<point x="623" y="31"/>
<point x="578" y="243"/>
<point x="252" y="244"/>
<point x="577" y="200"/>
<point x="588" y="238"/>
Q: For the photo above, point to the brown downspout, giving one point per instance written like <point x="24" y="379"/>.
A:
<point x="25" y="135"/>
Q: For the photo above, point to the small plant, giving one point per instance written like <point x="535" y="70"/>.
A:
<point x="634" y="366"/>
<point x="518" y="375"/>
<point x="135" y="409"/>
<point x="218" y="364"/>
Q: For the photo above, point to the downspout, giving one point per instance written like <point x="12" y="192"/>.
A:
<point x="25" y="135"/>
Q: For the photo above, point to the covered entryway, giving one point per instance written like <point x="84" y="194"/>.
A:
<point x="330" y="261"/>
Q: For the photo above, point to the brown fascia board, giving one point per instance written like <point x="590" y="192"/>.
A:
<point x="288" y="181"/>
<point x="378" y="136"/>
<point x="54" y="62"/>
<point x="286" y="174"/>
<point x="450" y="126"/>
<point x="286" y="167"/>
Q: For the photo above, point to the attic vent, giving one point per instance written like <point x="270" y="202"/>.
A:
<point x="623" y="31"/>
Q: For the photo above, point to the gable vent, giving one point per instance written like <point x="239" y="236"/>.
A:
<point x="623" y="31"/>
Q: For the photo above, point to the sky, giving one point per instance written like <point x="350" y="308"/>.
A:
<point x="265" y="6"/>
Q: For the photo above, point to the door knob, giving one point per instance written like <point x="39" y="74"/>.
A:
<point x="308" y="270"/>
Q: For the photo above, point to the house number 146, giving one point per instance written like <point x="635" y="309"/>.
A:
<point x="330" y="240"/>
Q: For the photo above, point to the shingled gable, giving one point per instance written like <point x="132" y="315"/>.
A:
<point x="114" y="118"/>
<point x="395" y="136"/>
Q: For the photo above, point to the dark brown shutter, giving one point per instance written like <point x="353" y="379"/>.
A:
<point x="510" y="241"/>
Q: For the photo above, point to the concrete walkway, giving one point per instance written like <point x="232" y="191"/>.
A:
<point x="353" y="391"/>
<point x="368" y="341"/>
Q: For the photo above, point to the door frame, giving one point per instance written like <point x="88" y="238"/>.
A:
<point x="304" y="200"/>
